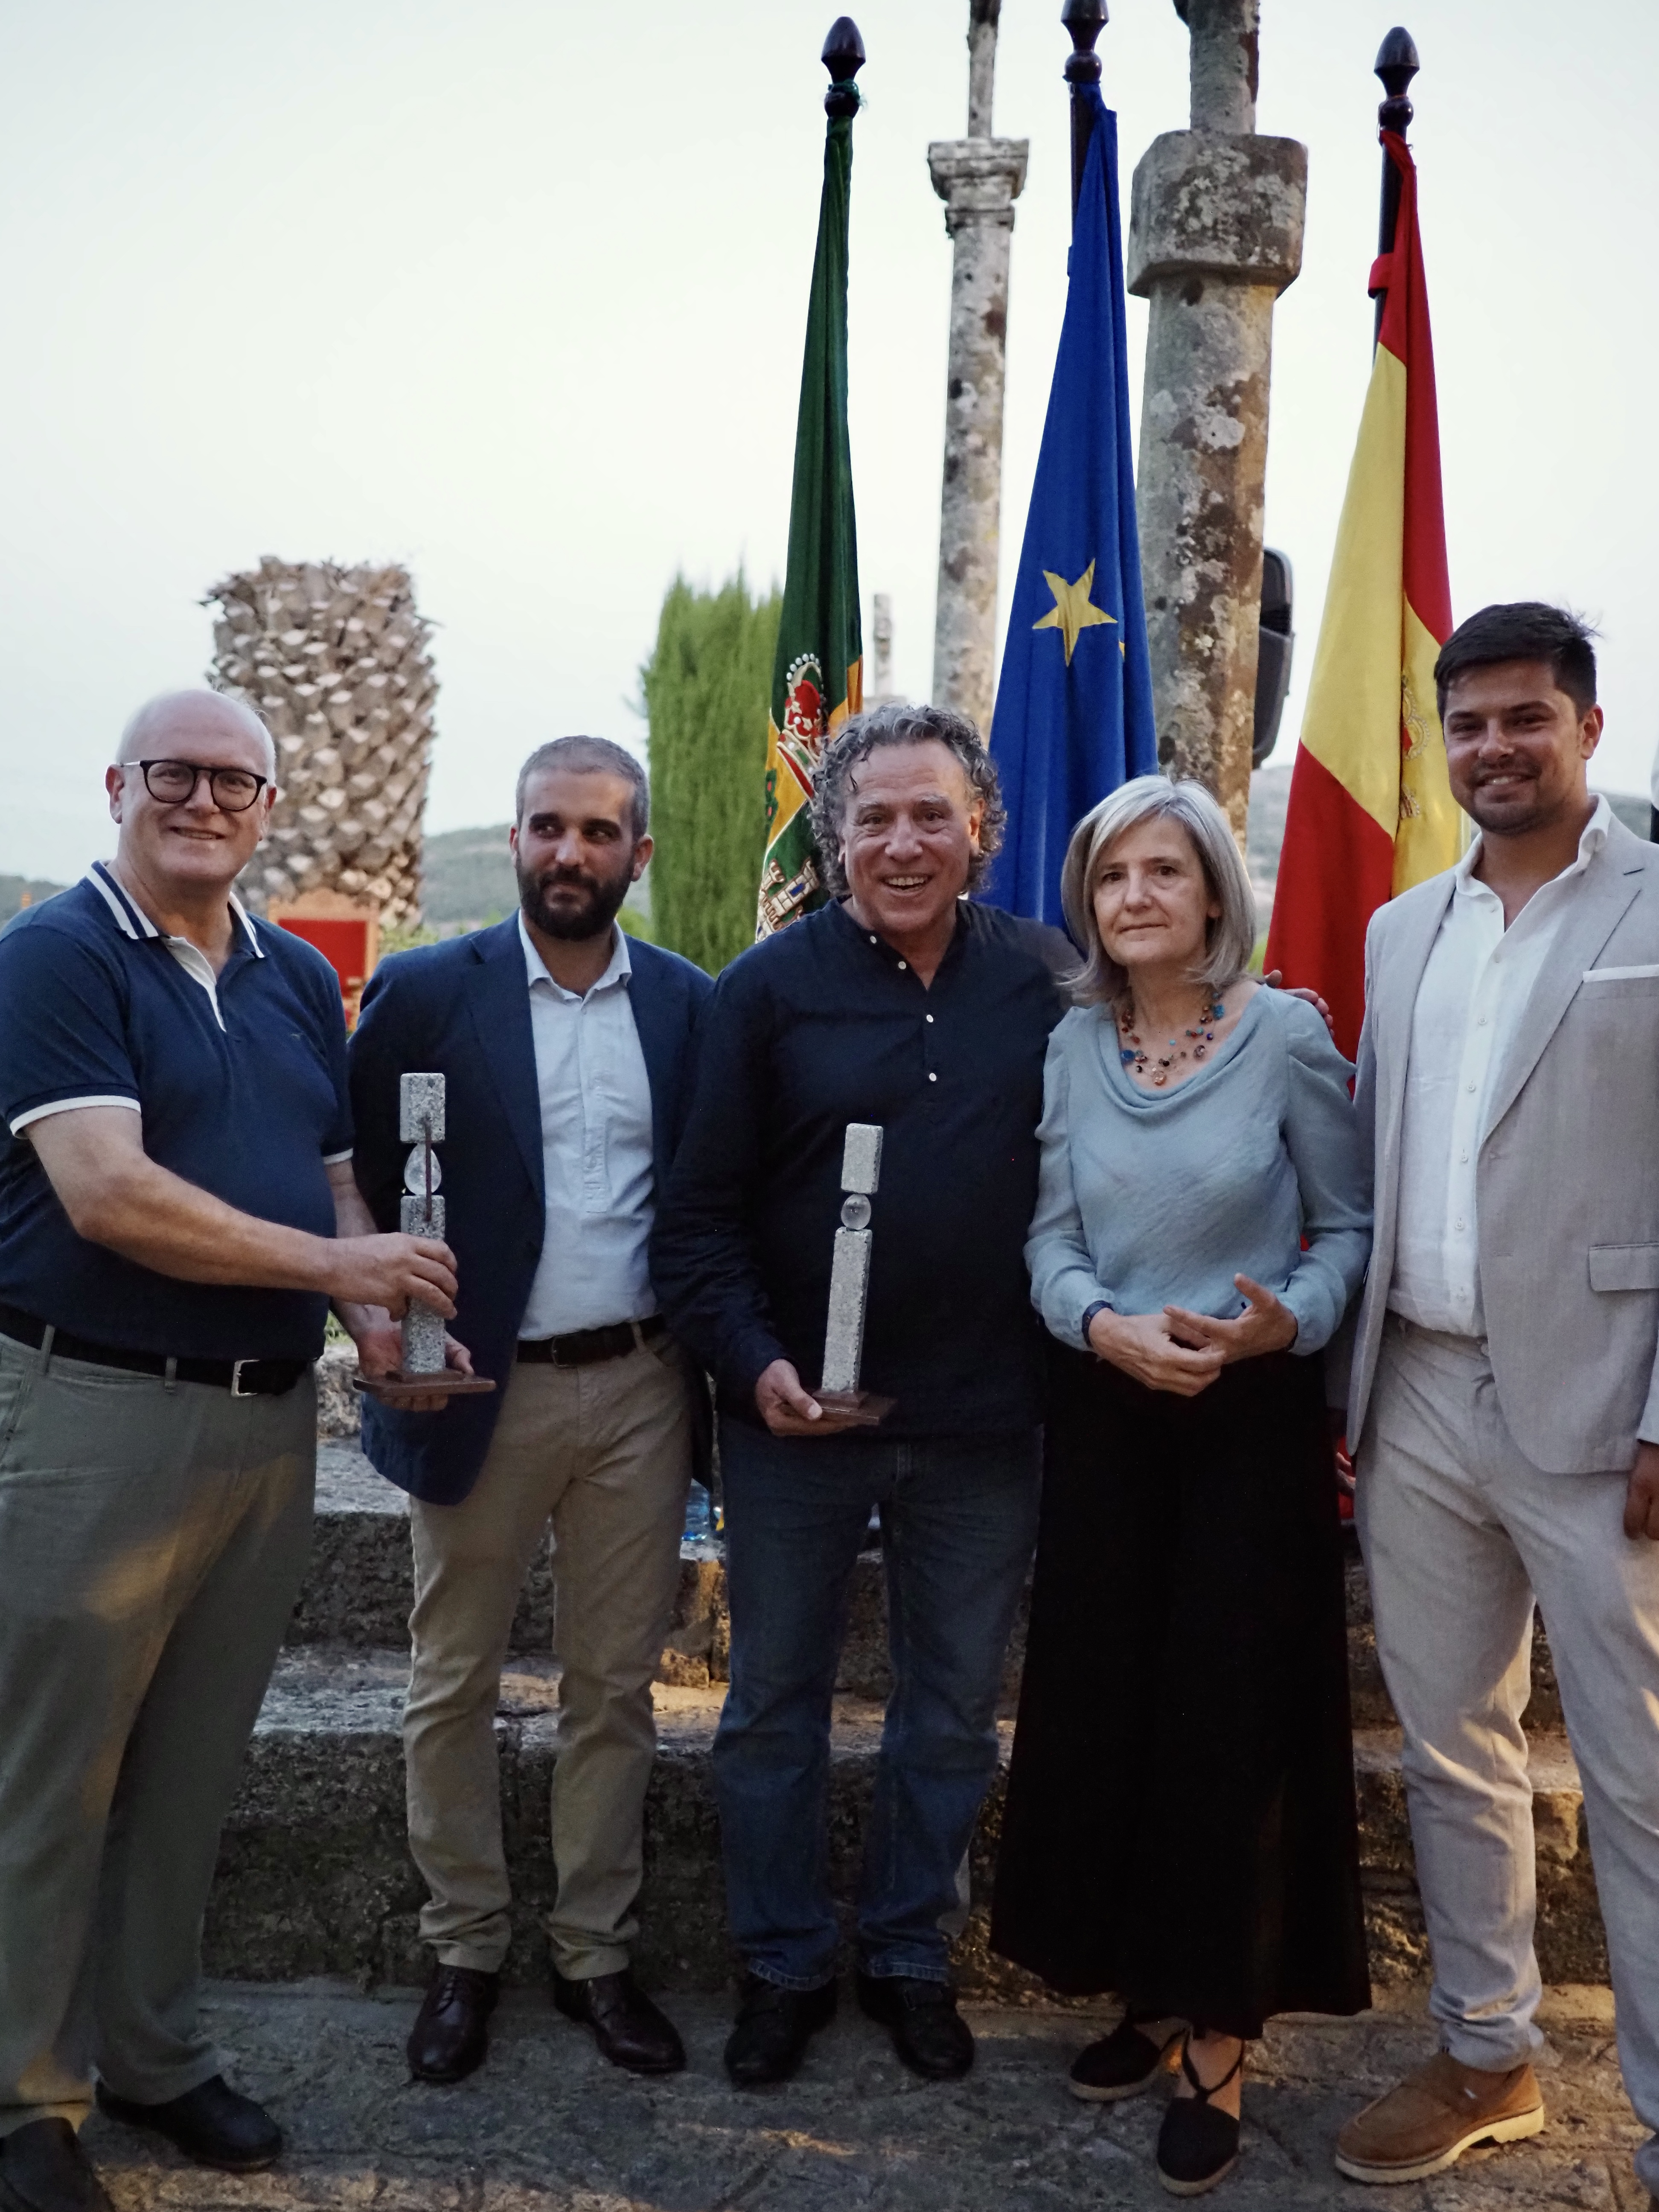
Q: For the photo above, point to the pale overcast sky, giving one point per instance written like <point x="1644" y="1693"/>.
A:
<point x="513" y="290"/>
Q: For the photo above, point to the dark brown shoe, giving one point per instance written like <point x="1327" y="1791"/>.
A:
<point x="42" y="2168"/>
<point x="451" y="2032"/>
<point x="628" y="2028"/>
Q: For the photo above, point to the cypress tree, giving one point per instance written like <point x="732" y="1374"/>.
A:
<point x="706" y="687"/>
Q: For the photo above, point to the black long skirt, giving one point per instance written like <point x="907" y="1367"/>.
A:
<point x="1180" y="1820"/>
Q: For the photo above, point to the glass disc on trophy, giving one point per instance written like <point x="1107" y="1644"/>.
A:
<point x="855" y="1211"/>
<point x="414" y="1171"/>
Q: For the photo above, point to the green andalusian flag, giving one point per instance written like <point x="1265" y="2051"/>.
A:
<point x="817" y="675"/>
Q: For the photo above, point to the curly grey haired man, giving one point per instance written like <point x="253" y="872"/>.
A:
<point x="902" y="1003"/>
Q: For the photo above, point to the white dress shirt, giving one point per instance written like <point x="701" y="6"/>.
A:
<point x="596" y="1150"/>
<point x="1474" y="990"/>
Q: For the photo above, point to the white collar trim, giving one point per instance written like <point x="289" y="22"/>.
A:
<point x="131" y="919"/>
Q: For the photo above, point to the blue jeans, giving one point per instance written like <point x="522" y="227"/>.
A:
<point x="958" y="1518"/>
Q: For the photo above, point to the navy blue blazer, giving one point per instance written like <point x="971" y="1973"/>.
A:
<point x="462" y="1009"/>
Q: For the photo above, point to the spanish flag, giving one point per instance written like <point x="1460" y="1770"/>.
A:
<point x="1371" y="810"/>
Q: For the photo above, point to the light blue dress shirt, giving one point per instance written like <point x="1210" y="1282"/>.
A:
<point x="596" y="1151"/>
<point x="1154" y="1198"/>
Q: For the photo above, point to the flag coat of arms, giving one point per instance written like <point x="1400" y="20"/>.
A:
<point x="817" y="675"/>
<point x="1371" y="809"/>
<point x="1073" y="715"/>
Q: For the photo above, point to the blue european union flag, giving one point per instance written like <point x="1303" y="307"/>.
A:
<point x="1073" y="715"/>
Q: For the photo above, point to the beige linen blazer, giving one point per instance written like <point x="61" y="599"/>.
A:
<point x="1567" y="1176"/>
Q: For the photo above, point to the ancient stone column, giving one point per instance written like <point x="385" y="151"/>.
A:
<point x="979" y="178"/>
<point x="1215" y="235"/>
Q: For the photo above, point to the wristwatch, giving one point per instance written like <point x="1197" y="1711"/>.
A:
<point x="1100" y="1305"/>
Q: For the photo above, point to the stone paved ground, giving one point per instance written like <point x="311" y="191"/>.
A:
<point x="547" y="2127"/>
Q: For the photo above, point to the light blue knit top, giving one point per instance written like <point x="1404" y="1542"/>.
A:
<point x="1149" y="1197"/>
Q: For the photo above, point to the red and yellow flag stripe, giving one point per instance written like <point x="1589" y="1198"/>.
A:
<point x="1371" y="810"/>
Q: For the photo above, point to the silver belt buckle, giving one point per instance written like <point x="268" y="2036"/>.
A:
<point x="236" y="1367"/>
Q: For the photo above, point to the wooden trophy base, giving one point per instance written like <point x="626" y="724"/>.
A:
<point x="399" y="1389"/>
<point x="863" y="1409"/>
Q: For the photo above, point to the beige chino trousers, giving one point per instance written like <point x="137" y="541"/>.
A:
<point x="604" y="1453"/>
<point x="1460" y="1530"/>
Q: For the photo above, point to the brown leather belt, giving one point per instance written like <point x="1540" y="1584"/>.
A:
<point x="585" y="1346"/>
<point x="243" y="1378"/>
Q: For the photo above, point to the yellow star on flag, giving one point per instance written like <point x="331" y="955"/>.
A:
<point x="1071" y="613"/>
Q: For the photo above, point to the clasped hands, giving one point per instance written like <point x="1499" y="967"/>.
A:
<point x="1182" y="1352"/>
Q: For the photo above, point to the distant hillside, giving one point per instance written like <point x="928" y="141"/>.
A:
<point x="18" y="891"/>
<point x="466" y="875"/>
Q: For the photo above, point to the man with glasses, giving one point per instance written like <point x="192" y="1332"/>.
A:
<point x="177" y="1208"/>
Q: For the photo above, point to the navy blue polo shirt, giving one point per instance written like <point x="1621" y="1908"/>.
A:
<point x="241" y="1083"/>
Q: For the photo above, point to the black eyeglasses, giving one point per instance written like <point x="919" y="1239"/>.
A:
<point x="173" y="782"/>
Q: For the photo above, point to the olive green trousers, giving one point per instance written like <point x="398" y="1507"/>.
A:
<point x="152" y="1540"/>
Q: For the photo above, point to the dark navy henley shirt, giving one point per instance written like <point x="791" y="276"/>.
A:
<point x="821" y="1025"/>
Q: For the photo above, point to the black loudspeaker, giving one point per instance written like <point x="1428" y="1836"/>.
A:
<point x="1273" y="666"/>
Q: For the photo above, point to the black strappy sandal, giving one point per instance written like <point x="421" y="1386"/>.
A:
<point x="1197" y="2145"/>
<point x="1122" y="2064"/>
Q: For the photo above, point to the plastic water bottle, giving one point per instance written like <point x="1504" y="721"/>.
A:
<point x="699" y="1518"/>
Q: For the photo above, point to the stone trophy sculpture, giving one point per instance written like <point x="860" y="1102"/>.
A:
<point x="421" y="1126"/>
<point x="849" y="1284"/>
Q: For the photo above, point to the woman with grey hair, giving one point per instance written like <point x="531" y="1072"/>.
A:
<point x="1180" y="1822"/>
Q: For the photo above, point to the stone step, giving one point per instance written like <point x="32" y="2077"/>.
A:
<point x="315" y="1878"/>
<point x="357" y="1592"/>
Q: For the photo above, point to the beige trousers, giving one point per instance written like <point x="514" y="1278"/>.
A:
<point x="1460" y="1529"/>
<point x="604" y="1453"/>
<point x="152" y="1542"/>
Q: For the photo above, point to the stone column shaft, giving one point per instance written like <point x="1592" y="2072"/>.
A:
<point x="1215" y="235"/>
<point x="978" y="179"/>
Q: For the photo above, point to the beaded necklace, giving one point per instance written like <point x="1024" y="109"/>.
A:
<point x="1154" y="1068"/>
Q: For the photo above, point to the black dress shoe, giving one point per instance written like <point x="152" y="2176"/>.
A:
<point x="451" y="2032"/>
<point x="42" y="2168"/>
<point x="212" y="2123"/>
<point x="929" y="2034"/>
<point x="775" y="2027"/>
<point x="628" y="2028"/>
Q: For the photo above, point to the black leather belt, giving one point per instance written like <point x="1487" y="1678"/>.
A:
<point x="243" y="1378"/>
<point x="584" y="1345"/>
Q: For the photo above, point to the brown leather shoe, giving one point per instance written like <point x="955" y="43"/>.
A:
<point x="42" y="2168"/>
<point x="451" y="2033"/>
<point x="1430" y="2119"/>
<point x="629" y="2030"/>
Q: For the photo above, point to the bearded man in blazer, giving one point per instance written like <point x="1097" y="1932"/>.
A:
<point x="1504" y="1405"/>
<point x="567" y="1049"/>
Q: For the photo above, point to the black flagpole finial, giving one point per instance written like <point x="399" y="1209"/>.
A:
<point x="843" y="56"/>
<point x="1085" y="20"/>
<point x="1396" y="64"/>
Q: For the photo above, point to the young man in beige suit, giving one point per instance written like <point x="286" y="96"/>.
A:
<point x="1505" y="1401"/>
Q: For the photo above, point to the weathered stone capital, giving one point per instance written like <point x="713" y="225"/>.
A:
<point x="1213" y="205"/>
<point x="979" y="179"/>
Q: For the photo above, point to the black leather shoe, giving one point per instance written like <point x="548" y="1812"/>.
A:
<point x="42" y="2168"/>
<point x="451" y="2032"/>
<point x="929" y="2034"/>
<point x="775" y="2027"/>
<point x="212" y="2123"/>
<point x="628" y="2028"/>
